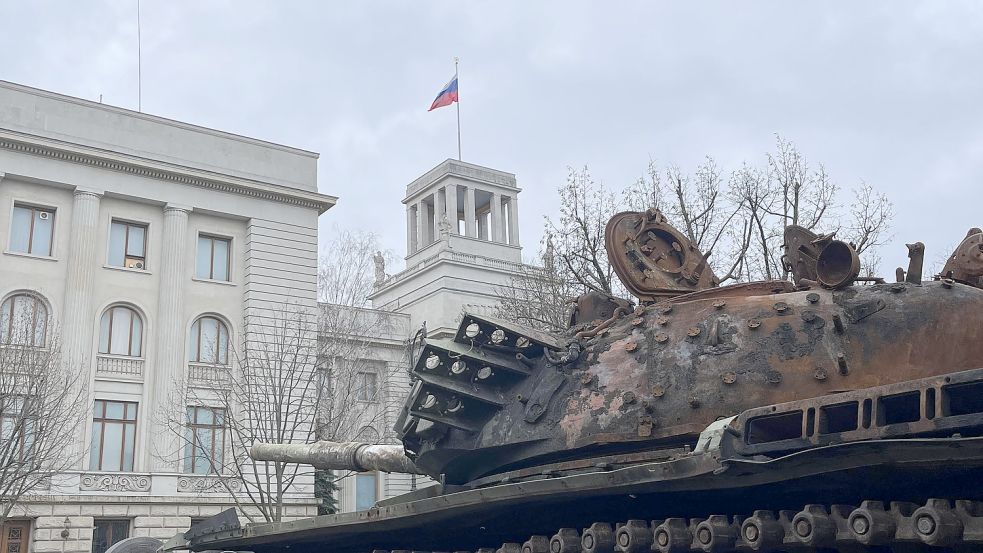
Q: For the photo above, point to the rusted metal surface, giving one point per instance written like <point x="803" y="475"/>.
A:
<point x="657" y="375"/>
<point x="691" y="399"/>
<point x="338" y="456"/>
<point x="966" y="263"/>
<point x="652" y="258"/>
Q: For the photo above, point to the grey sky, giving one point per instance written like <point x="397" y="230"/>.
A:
<point x="889" y="92"/>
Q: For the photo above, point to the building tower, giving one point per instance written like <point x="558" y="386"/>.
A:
<point x="462" y="245"/>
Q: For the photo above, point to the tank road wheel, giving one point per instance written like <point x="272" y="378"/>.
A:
<point x="762" y="532"/>
<point x="870" y="524"/>
<point x="716" y="534"/>
<point x="510" y="547"/>
<point x="672" y="536"/>
<point x="936" y="524"/>
<point x="536" y="544"/>
<point x="567" y="540"/>
<point x="814" y="527"/>
<point x="599" y="538"/>
<point x="634" y="537"/>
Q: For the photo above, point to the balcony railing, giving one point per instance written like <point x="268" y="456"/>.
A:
<point x="118" y="366"/>
<point x="209" y="376"/>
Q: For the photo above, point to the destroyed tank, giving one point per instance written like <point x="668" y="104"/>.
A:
<point x="828" y="412"/>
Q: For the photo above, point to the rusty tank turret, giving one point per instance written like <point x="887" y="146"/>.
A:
<point x="827" y="412"/>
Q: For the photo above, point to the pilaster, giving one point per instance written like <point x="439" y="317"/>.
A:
<point x="170" y="359"/>
<point x="77" y="323"/>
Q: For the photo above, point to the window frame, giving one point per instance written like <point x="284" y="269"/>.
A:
<point x="18" y="409"/>
<point x="211" y="258"/>
<point x="109" y="339"/>
<point x="359" y="388"/>
<point x="53" y="211"/>
<point x="128" y="223"/>
<point x="37" y="301"/>
<point x="110" y="522"/>
<point x="190" y="463"/>
<point x="196" y="336"/>
<point x="103" y="420"/>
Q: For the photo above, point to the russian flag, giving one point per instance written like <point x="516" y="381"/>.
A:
<point x="447" y="96"/>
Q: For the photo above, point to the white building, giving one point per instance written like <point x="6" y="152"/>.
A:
<point x="150" y="243"/>
<point x="462" y="223"/>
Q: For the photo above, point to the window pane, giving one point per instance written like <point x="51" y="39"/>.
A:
<point x="203" y="440"/>
<point x="104" y="332"/>
<point x="136" y="339"/>
<point x="365" y="491"/>
<point x="223" y="345"/>
<point x="220" y="270"/>
<point x="120" y="332"/>
<point x="203" y="265"/>
<point x="114" y="410"/>
<point x="40" y="321"/>
<point x="43" y="222"/>
<point x="209" y="339"/>
<point x="193" y="342"/>
<point x="94" y="447"/>
<point x="112" y="446"/>
<point x="117" y="241"/>
<point x="135" y="245"/>
<point x="128" y="446"/>
<point x="20" y="229"/>
<point x="6" y="316"/>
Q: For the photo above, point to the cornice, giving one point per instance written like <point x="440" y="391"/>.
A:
<point x="132" y="165"/>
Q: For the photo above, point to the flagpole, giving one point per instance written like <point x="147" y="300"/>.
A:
<point x="456" y="60"/>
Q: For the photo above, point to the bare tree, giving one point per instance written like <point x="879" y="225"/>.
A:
<point x="269" y="392"/>
<point x="43" y="403"/>
<point x="538" y="295"/>
<point x="738" y="222"/>
<point x="578" y="234"/>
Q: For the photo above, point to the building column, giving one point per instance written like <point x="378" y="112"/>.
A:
<point x="421" y="225"/>
<point x="513" y="220"/>
<point x="169" y="355"/>
<point x="497" y="233"/>
<point x="450" y="195"/>
<point x="410" y="229"/>
<point x="440" y="211"/>
<point x="78" y="322"/>
<point x="469" y="213"/>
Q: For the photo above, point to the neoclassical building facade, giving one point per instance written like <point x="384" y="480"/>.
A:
<point x="150" y="245"/>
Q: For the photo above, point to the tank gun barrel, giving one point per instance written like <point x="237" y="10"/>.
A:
<point x="325" y="455"/>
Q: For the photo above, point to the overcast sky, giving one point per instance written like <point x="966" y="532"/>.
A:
<point x="886" y="92"/>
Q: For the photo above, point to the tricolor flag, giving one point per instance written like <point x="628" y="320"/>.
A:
<point x="447" y="96"/>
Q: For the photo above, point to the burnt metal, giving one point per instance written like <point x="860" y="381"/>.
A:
<point x="533" y="436"/>
<point x="653" y="259"/>
<point x="965" y="265"/>
<point x="838" y="265"/>
<point x="916" y="259"/>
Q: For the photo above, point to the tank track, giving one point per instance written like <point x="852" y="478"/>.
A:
<point x="898" y="526"/>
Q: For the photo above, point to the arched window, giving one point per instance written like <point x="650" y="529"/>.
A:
<point x="121" y="332"/>
<point x="209" y="342"/>
<point x="23" y="321"/>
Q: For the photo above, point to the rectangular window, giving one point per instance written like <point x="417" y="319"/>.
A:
<point x="366" y="491"/>
<point x="128" y="245"/>
<point x="30" y="230"/>
<point x="204" y="448"/>
<point x="106" y="532"/>
<point x="114" y="428"/>
<point x="213" y="257"/>
<point x="366" y="385"/>
<point x="18" y="424"/>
